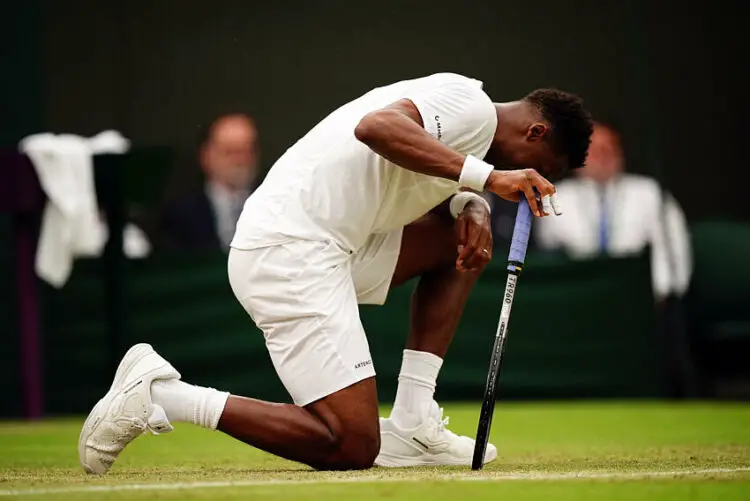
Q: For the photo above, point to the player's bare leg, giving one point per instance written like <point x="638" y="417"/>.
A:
<point x="415" y="433"/>
<point x="428" y="251"/>
<point x="337" y="432"/>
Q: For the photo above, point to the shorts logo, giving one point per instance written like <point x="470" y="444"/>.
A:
<point x="363" y="364"/>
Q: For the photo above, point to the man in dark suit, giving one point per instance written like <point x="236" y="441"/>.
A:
<point x="228" y="155"/>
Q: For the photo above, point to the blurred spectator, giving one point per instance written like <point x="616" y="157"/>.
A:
<point x="228" y="156"/>
<point x="609" y="212"/>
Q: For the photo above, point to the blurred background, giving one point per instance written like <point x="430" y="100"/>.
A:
<point x="158" y="118"/>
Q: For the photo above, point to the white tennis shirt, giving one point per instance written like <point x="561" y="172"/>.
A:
<point x="330" y="186"/>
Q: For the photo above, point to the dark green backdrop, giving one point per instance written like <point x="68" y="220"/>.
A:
<point x="669" y="72"/>
<point x="577" y="330"/>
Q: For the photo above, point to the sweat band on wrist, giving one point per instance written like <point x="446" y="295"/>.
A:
<point x="459" y="201"/>
<point x="474" y="173"/>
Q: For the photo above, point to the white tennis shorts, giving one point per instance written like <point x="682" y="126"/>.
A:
<point x="303" y="295"/>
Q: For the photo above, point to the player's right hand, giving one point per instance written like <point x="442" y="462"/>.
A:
<point x="512" y="184"/>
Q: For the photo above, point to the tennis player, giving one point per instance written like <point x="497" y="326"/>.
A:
<point x="382" y="190"/>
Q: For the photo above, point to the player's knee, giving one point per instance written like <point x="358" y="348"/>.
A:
<point x="360" y="456"/>
<point x="366" y="453"/>
<point x="353" y="453"/>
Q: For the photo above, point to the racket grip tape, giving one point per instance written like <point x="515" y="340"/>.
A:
<point x="521" y="232"/>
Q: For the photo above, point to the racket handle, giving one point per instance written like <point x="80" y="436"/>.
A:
<point x="521" y="232"/>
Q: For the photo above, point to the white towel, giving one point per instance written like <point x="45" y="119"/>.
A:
<point x="71" y="224"/>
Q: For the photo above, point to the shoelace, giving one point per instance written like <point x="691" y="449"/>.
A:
<point x="442" y="423"/>
<point x="136" y="428"/>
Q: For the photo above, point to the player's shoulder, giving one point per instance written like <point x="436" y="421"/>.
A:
<point x="448" y="77"/>
<point x="454" y="82"/>
<point x="466" y="93"/>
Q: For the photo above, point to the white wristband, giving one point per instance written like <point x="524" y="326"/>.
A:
<point x="474" y="173"/>
<point x="459" y="201"/>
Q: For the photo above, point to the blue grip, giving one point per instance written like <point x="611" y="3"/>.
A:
<point x="521" y="232"/>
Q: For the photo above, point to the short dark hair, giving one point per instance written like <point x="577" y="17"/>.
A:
<point x="206" y="129"/>
<point x="571" y="124"/>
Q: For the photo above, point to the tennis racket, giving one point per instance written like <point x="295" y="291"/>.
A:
<point x="516" y="257"/>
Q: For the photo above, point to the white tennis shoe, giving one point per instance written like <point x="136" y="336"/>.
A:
<point x="126" y="411"/>
<point x="429" y="444"/>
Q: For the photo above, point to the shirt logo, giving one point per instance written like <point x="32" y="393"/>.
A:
<point x="439" y="127"/>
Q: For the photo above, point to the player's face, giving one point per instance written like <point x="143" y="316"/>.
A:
<point x="537" y="155"/>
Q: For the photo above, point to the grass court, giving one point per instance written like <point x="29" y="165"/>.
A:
<point x="547" y="451"/>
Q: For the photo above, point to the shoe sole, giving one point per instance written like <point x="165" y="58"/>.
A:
<point x="129" y="360"/>
<point x="392" y="461"/>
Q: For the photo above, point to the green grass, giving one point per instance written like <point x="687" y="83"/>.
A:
<point x="541" y="445"/>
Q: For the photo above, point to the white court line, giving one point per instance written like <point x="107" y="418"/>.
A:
<point x="460" y="477"/>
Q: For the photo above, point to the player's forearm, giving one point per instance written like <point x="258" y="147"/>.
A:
<point x="399" y="139"/>
<point x="444" y="209"/>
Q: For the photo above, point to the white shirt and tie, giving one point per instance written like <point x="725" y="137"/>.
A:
<point x="227" y="206"/>
<point x="621" y="218"/>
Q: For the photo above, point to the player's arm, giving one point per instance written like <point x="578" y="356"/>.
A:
<point x="397" y="133"/>
<point x="473" y="228"/>
<point x="444" y="208"/>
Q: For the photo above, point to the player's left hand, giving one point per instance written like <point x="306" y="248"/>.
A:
<point x="474" y="237"/>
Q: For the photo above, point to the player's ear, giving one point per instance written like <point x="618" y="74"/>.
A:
<point x="537" y="131"/>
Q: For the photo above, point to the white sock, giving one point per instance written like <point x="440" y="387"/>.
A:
<point x="188" y="403"/>
<point x="416" y="388"/>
